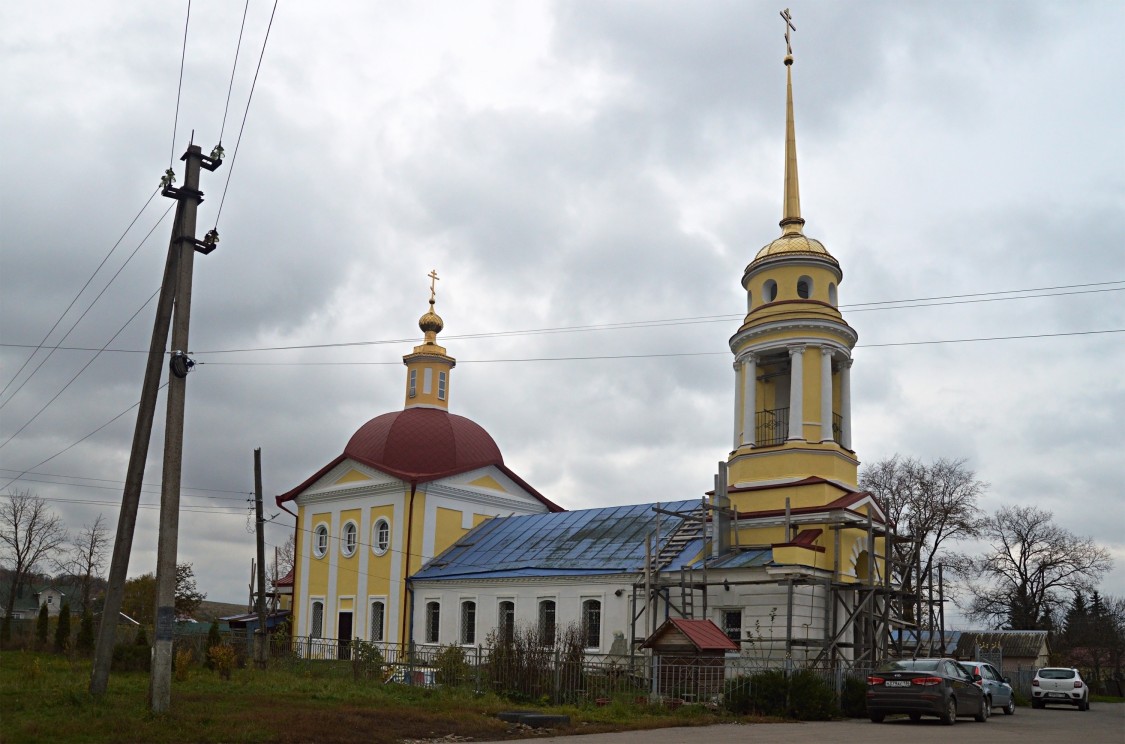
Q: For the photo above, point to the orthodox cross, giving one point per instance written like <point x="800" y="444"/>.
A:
<point x="788" y="25"/>
<point x="433" y="278"/>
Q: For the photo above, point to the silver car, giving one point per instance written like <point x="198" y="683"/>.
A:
<point x="1061" y="685"/>
<point x="997" y="688"/>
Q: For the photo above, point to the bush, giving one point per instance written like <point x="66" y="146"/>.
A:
<point x="801" y="695"/>
<point x="141" y="638"/>
<point x="223" y="658"/>
<point x="452" y="667"/>
<point x="853" y="698"/>
<point x="214" y="638"/>
<point x="41" y="627"/>
<point x="182" y="663"/>
<point x="367" y="660"/>
<point x="85" y="641"/>
<point x="129" y="657"/>
<point x="62" y="630"/>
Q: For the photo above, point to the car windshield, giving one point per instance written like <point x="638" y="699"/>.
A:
<point x="1056" y="673"/>
<point x="918" y="665"/>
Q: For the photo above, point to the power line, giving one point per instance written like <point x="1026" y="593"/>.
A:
<point x="78" y="373"/>
<point x="179" y="87"/>
<point x="90" y="307"/>
<point x="47" y="335"/>
<point x="237" y="48"/>
<point x="245" y="113"/>
<point x="23" y="477"/>
<point x="75" y="443"/>
<point x="189" y="508"/>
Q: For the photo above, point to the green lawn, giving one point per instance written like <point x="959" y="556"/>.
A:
<point x="43" y="698"/>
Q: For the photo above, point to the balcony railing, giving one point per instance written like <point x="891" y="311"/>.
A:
<point x="771" y="427"/>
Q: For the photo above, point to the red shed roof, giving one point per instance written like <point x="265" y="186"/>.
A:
<point x="703" y="634"/>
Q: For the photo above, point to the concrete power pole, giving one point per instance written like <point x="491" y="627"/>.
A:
<point x="142" y="436"/>
<point x="160" y="683"/>
<point x="261" y="645"/>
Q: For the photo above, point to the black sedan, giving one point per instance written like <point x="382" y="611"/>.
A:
<point x="925" y="687"/>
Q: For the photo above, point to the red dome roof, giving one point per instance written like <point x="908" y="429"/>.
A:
<point x="420" y="443"/>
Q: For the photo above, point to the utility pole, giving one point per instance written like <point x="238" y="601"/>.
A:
<point x="142" y="436"/>
<point x="260" y="645"/>
<point x="186" y="244"/>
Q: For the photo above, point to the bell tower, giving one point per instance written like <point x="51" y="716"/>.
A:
<point x="792" y="354"/>
<point x="428" y="367"/>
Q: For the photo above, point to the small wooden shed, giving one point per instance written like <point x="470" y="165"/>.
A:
<point x="690" y="658"/>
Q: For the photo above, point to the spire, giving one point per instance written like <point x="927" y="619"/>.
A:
<point x="428" y="367"/>
<point x="791" y="220"/>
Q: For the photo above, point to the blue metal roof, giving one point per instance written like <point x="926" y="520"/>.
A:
<point x="744" y="559"/>
<point x="588" y="542"/>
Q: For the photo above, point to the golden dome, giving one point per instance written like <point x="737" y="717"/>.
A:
<point x="795" y="244"/>
<point x="431" y="322"/>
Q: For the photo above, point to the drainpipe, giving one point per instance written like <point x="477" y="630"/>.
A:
<point x="408" y="606"/>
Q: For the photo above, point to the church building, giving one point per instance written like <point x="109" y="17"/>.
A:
<point x="787" y="555"/>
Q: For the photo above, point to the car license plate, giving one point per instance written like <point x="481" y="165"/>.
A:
<point x="898" y="683"/>
<point x="1056" y="694"/>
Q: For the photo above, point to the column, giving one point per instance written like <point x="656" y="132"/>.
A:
<point x="796" y="393"/>
<point x="738" y="424"/>
<point x="825" y="394"/>
<point x="749" y="399"/>
<point x="846" y="403"/>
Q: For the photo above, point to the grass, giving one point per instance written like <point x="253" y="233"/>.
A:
<point x="1106" y="699"/>
<point x="44" y="699"/>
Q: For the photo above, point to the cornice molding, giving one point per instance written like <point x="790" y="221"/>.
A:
<point x="742" y="342"/>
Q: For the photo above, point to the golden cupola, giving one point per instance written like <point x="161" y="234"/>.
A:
<point x="793" y="352"/>
<point x="428" y="367"/>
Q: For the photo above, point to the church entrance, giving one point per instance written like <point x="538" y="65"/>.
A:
<point x="344" y="636"/>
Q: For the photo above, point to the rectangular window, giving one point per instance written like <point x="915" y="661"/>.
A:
<point x="433" y="621"/>
<point x="316" y="625"/>
<point x="506" y="621"/>
<point x="468" y="623"/>
<point x="732" y="624"/>
<point x="413" y="383"/>
<point x="427" y="381"/>
<point x="592" y="623"/>
<point x="547" y="622"/>
<point x="441" y="386"/>
<point x="378" y="611"/>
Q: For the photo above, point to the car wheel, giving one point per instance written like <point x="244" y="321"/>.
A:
<point x="877" y="717"/>
<point x="985" y="710"/>
<point x="1085" y="705"/>
<point x="949" y="715"/>
<point x="915" y="717"/>
<point x="1010" y="708"/>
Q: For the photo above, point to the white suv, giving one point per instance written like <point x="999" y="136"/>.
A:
<point x="1059" y="685"/>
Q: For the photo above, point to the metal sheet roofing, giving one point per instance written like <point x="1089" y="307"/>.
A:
<point x="744" y="559"/>
<point x="588" y="542"/>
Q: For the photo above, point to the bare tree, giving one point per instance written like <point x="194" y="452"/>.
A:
<point x="86" y="557"/>
<point x="928" y="504"/>
<point x="1030" y="570"/>
<point x="29" y="533"/>
<point x="286" y="556"/>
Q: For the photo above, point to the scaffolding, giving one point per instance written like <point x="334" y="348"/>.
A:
<point x="890" y="613"/>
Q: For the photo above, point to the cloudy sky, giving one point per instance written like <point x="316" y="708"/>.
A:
<point x="605" y="165"/>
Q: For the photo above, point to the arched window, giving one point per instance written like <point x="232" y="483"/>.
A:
<point x="413" y="386"/>
<point x="316" y="620"/>
<point x="832" y="293"/>
<point x="441" y="386"/>
<point x="468" y="623"/>
<point x="381" y="536"/>
<point x="804" y="287"/>
<point x="769" y="290"/>
<point x="378" y="619"/>
<point x="320" y="540"/>
<point x="592" y="623"/>
<point x="433" y="621"/>
<point x="547" y="622"/>
<point x="351" y="538"/>
<point x="506" y="620"/>
<point x="863" y="566"/>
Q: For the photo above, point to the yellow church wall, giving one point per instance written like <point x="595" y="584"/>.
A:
<point x="379" y="566"/>
<point x="318" y="567"/>
<point x="811" y="424"/>
<point x="447" y="528"/>
<point x="786" y="278"/>
<point x="792" y="460"/>
<point x="769" y="499"/>
<point x="478" y="518"/>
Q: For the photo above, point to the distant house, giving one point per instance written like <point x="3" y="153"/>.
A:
<point x="29" y="601"/>
<point x="1013" y="649"/>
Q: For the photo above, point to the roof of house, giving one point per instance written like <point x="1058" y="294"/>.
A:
<point x="591" y="542"/>
<point x="703" y="634"/>
<point x="1021" y="643"/>
<point x="419" y="445"/>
